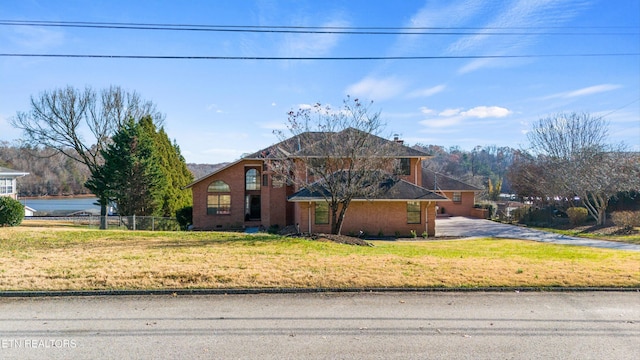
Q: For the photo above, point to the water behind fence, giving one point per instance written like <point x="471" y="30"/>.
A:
<point x="151" y="223"/>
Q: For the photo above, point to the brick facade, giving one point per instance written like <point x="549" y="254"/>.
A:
<point x="457" y="208"/>
<point x="274" y="207"/>
<point x="273" y="204"/>
<point x="373" y="218"/>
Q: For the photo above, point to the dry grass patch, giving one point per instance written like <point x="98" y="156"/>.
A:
<point x="73" y="259"/>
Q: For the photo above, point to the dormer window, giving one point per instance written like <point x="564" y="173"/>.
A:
<point x="403" y="166"/>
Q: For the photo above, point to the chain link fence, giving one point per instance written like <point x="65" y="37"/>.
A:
<point x="151" y="223"/>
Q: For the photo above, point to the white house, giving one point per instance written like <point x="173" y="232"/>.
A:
<point x="8" y="184"/>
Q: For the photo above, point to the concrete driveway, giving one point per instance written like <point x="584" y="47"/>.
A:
<point x="462" y="227"/>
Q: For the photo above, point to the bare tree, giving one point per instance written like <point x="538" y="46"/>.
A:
<point x="336" y="154"/>
<point x="79" y="124"/>
<point x="573" y="159"/>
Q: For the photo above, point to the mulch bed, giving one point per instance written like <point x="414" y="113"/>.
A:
<point x="340" y="239"/>
<point x="606" y="230"/>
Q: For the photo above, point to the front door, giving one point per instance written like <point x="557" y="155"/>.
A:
<point x="252" y="207"/>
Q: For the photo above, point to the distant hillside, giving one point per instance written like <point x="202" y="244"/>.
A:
<point x="200" y="170"/>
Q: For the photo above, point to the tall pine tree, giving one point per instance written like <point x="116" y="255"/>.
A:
<point x="174" y="170"/>
<point x="132" y="172"/>
<point x="144" y="174"/>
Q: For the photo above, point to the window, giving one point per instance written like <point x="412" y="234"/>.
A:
<point x="457" y="197"/>
<point x="403" y="166"/>
<point x="6" y="186"/>
<point x="219" y="186"/>
<point x="322" y="213"/>
<point x="218" y="198"/>
<point x="252" y="180"/>
<point x="265" y="180"/>
<point x="414" y="215"/>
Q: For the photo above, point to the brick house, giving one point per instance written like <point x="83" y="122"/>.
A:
<point x="462" y="196"/>
<point x="246" y="193"/>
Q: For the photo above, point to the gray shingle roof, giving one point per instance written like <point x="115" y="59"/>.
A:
<point x="286" y="147"/>
<point x="391" y="190"/>
<point x="439" y="182"/>
<point x="313" y="144"/>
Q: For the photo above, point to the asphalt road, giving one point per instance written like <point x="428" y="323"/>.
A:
<point x="536" y="325"/>
<point x="462" y="227"/>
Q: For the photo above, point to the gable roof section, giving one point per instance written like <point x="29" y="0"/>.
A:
<point x="212" y="173"/>
<point x="393" y="190"/>
<point x="395" y="149"/>
<point x="286" y="147"/>
<point x="307" y="144"/>
<point x="439" y="182"/>
<point x="301" y="145"/>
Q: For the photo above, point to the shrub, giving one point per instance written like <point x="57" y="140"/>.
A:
<point x="577" y="215"/>
<point x="184" y="217"/>
<point x="11" y="211"/>
<point x="274" y="229"/>
<point x="532" y="216"/>
<point x="413" y="234"/>
<point x="626" y="219"/>
<point x="520" y="213"/>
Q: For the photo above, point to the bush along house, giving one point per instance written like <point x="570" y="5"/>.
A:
<point x="308" y="180"/>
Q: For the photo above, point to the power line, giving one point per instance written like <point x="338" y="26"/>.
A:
<point x="337" y="29"/>
<point x="274" y="58"/>
<point x="621" y="107"/>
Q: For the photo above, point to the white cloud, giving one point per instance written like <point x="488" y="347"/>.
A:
<point x="449" y="112"/>
<point x="305" y="106"/>
<point x="425" y="110"/>
<point x="308" y="45"/>
<point x="442" y="122"/>
<point x="427" y="91"/>
<point x="436" y="14"/>
<point x="451" y="117"/>
<point x="486" y="111"/>
<point x="215" y="108"/>
<point x="376" y="89"/>
<point x="590" y="90"/>
<point x="475" y="65"/>
<point x="511" y="14"/>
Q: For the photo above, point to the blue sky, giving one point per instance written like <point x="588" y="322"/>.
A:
<point x="219" y="109"/>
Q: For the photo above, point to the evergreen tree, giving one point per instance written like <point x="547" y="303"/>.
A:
<point x="176" y="173"/>
<point x="143" y="173"/>
<point x="131" y="172"/>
